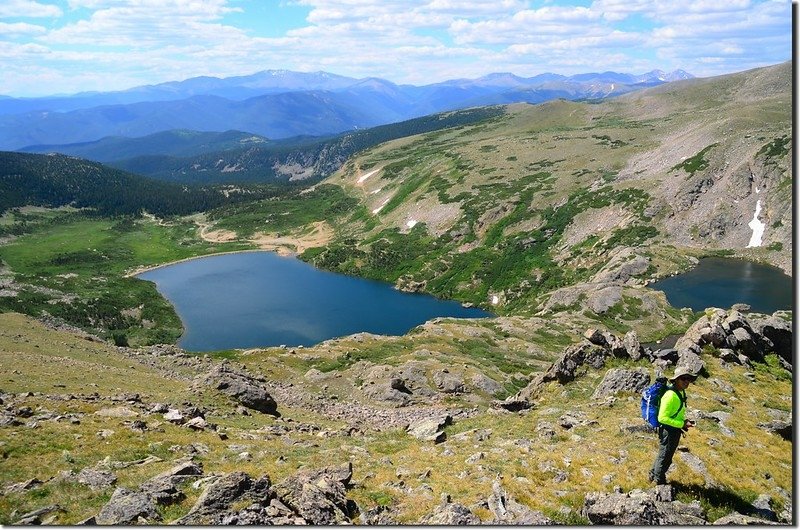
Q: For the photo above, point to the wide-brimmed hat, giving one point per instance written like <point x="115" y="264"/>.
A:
<point x="682" y="370"/>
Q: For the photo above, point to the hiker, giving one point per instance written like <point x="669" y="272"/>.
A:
<point x="671" y="422"/>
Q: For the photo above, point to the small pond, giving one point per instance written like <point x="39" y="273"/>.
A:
<point x="260" y="299"/>
<point x="722" y="282"/>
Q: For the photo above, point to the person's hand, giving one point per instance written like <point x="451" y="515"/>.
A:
<point x="687" y="424"/>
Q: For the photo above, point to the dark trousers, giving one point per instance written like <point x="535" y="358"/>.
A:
<point x="668" y="438"/>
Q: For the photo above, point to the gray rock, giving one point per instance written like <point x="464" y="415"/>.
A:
<point x="378" y="516"/>
<point x="604" y="298"/>
<point x="619" y="380"/>
<point x="507" y="511"/>
<point x="217" y="498"/>
<point x="738" y="519"/>
<point x="777" y="335"/>
<point x="164" y="488"/>
<point x="595" y="336"/>
<point x="242" y="387"/>
<point x="35" y="517"/>
<point x="486" y="384"/>
<point x="781" y="428"/>
<point x="384" y="393"/>
<point x="175" y="416"/>
<point x="763" y="508"/>
<point x="449" y="513"/>
<point x="448" y="383"/>
<point x="23" y="486"/>
<point x="127" y="507"/>
<point x="640" y="508"/>
<point x="96" y="479"/>
<point x="745" y="343"/>
<point x="430" y="429"/>
<point x="319" y="497"/>
<point x="565" y="369"/>
<point x="633" y="346"/>
<point x="691" y="361"/>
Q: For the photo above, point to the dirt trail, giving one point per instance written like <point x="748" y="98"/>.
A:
<point x="319" y="234"/>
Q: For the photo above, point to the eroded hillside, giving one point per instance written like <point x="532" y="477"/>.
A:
<point x="544" y="197"/>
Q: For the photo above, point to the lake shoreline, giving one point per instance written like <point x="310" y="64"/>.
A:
<point x="147" y="268"/>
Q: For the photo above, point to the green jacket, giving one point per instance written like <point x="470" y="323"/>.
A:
<point x="669" y="406"/>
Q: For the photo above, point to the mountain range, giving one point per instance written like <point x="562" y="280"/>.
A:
<point x="318" y="104"/>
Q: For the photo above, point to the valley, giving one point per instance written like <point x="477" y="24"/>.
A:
<point x="554" y="216"/>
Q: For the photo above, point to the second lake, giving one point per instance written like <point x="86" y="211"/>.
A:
<point x="260" y="299"/>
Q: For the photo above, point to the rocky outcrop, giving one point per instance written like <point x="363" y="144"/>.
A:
<point x="448" y="383"/>
<point x="641" y="508"/>
<point x="319" y="497"/>
<point x="507" y="511"/>
<point x="618" y="380"/>
<point x="128" y="507"/>
<point x="241" y="386"/>
<point x="430" y="429"/>
<point x="748" y="338"/>
<point x="214" y="504"/>
<point x="564" y="370"/>
<point x="449" y="513"/>
<point x="310" y="497"/>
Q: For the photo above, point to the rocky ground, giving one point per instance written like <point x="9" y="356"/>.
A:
<point x="192" y="487"/>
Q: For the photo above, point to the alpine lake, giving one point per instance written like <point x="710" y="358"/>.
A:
<point x="723" y="282"/>
<point x="261" y="299"/>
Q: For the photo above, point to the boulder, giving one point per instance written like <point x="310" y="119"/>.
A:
<point x="242" y="387"/>
<point x="632" y="345"/>
<point x="619" y="380"/>
<point x="742" y="340"/>
<point x="449" y="513"/>
<point x="448" y="383"/>
<point x="36" y="517"/>
<point x="776" y="333"/>
<point x="595" y="336"/>
<point x="378" y="516"/>
<point x="737" y="519"/>
<point x="486" y="384"/>
<point x="127" y="507"/>
<point x="507" y="511"/>
<point x="164" y="488"/>
<point x="96" y="479"/>
<point x="215" y="501"/>
<point x="781" y="428"/>
<point x="564" y="370"/>
<point x="319" y="497"/>
<point x="691" y="361"/>
<point x="430" y="429"/>
<point x="604" y="298"/>
<point x="641" y="508"/>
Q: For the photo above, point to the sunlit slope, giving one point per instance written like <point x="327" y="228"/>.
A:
<point x="546" y="196"/>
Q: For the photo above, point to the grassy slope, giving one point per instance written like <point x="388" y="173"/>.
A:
<point x="594" y="456"/>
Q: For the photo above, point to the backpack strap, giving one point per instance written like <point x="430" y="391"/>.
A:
<point x="681" y="398"/>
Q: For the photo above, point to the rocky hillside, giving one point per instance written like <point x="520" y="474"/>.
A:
<point x="549" y="196"/>
<point x="339" y="433"/>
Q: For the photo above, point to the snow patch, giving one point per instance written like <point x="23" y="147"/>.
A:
<point x="757" y="227"/>
<point x="378" y="209"/>
<point x="411" y="223"/>
<point x="364" y="177"/>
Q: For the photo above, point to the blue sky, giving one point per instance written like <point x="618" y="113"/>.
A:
<point x="68" y="46"/>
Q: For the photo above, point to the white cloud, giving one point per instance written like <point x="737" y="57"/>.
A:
<point x="412" y="41"/>
<point x="28" y="8"/>
<point x="20" y="28"/>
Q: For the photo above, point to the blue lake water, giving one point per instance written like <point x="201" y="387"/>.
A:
<point x="258" y="299"/>
<point x="722" y="282"/>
